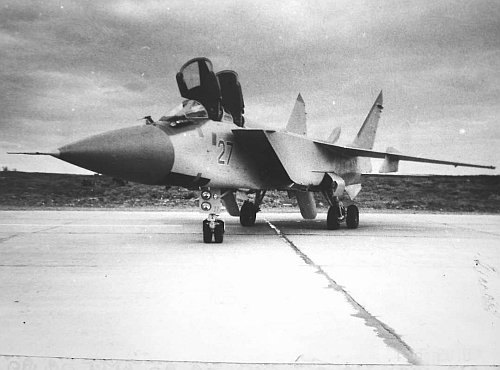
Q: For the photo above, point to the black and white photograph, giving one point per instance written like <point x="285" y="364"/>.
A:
<point x="249" y="184"/>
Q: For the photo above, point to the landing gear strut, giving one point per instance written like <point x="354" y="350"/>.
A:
<point x="248" y="212"/>
<point x="213" y="228"/>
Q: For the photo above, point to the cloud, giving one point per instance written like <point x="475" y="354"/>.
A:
<point x="85" y="66"/>
<point x="7" y="40"/>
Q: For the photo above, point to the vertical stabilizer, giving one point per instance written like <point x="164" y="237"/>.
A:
<point x="334" y="136"/>
<point x="297" y="121"/>
<point x="366" y="135"/>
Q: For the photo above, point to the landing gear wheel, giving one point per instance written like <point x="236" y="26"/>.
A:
<point x="248" y="214"/>
<point x="207" y="232"/>
<point x="333" y="218"/>
<point x="352" y="219"/>
<point x="219" y="232"/>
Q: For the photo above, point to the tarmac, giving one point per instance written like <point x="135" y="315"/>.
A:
<point x="140" y="290"/>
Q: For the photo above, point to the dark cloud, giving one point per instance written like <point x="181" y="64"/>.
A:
<point x="71" y="68"/>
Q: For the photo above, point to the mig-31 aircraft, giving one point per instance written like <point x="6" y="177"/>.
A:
<point x="203" y="144"/>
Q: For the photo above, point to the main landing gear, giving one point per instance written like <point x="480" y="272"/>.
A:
<point x="210" y="202"/>
<point x="337" y="214"/>
<point x="213" y="228"/>
<point x="249" y="210"/>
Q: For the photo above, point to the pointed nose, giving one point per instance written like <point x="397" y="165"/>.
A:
<point x="141" y="154"/>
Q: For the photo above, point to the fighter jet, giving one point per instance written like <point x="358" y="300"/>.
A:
<point x="204" y="144"/>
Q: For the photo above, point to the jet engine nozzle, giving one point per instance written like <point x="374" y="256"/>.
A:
<point x="143" y="154"/>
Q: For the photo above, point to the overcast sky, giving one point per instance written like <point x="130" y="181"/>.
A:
<point x="75" y="68"/>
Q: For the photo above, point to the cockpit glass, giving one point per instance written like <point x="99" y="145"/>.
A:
<point x="192" y="75"/>
<point x="187" y="112"/>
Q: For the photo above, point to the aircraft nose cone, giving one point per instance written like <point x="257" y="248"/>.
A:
<point x="141" y="154"/>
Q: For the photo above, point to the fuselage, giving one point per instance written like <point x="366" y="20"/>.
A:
<point x="209" y="153"/>
<point x="205" y="153"/>
<point x="186" y="148"/>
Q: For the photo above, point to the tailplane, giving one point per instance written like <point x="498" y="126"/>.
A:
<point x="366" y="135"/>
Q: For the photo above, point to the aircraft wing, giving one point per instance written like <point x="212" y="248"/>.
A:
<point x="391" y="155"/>
<point x="257" y="146"/>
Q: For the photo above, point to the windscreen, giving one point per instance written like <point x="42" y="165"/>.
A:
<point x="187" y="112"/>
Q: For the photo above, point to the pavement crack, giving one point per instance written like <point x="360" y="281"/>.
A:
<point x="472" y="230"/>
<point x="8" y="238"/>
<point x="46" y="265"/>
<point x="485" y="274"/>
<point x="384" y="331"/>
<point x="53" y="227"/>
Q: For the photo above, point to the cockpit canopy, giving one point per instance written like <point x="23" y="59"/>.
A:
<point x="216" y="92"/>
<point x="185" y="113"/>
<point x="189" y="112"/>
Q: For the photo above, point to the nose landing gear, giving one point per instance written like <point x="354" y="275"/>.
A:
<point x="213" y="229"/>
<point x="210" y="203"/>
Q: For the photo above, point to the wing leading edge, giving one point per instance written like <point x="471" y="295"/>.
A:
<point x="391" y="156"/>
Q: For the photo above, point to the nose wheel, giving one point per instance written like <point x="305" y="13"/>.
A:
<point x="210" y="203"/>
<point x="213" y="230"/>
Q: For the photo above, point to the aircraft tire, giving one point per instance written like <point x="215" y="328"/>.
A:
<point x="219" y="232"/>
<point x="352" y="219"/>
<point x="332" y="220"/>
<point x="247" y="214"/>
<point x="207" y="232"/>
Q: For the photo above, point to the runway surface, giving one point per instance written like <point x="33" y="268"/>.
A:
<point x="141" y="288"/>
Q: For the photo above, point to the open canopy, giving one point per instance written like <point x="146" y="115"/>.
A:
<point x="216" y="92"/>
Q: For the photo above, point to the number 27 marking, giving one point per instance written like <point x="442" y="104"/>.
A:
<point x="225" y="155"/>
